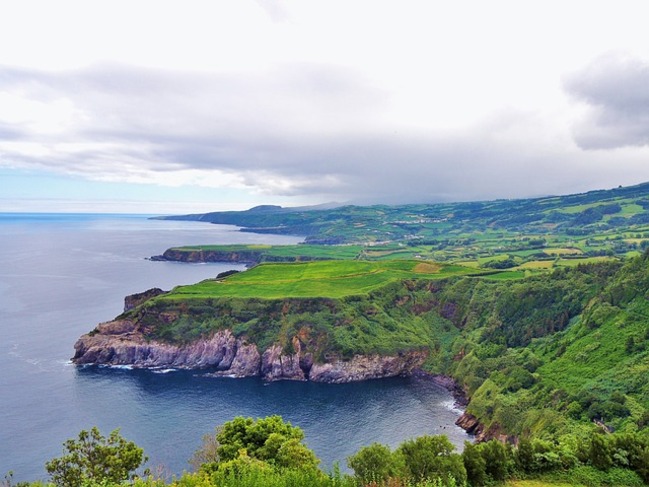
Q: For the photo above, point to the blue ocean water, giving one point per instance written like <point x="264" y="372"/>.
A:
<point x="60" y="275"/>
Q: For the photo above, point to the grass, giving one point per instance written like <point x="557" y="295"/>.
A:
<point x="562" y="251"/>
<point x="329" y="279"/>
<point x="506" y="275"/>
<point x="537" y="264"/>
<point x="284" y="251"/>
<point x="576" y="262"/>
<point x="537" y="483"/>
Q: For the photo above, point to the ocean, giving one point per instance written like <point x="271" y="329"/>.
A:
<point x="61" y="274"/>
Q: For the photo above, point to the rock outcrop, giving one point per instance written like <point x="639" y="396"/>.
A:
<point x="137" y="299"/>
<point x="249" y="257"/>
<point x="275" y="364"/>
<point x="120" y="342"/>
<point x="473" y="426"/>
<point x="469" y="423"/>
<point x="363" y="367"/>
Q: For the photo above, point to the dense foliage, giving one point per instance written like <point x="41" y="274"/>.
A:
<point x="269" y="440"/>
<point x="93" y="458"/>
<point x="269" y="452"/>
<point x="547" y="354"/>
<point x="538" y="233"/>
<point x="564" y="361"/>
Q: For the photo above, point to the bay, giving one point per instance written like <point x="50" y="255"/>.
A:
<point x="61" y="274"/>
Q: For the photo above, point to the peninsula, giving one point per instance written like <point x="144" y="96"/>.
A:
<point x="540" y="322"/>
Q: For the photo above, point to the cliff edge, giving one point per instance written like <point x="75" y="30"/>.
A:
<point x="121" y="342"/>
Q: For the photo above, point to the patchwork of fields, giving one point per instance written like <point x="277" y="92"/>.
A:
<point x="328" y="279"/>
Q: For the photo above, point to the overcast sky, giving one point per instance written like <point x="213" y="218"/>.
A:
<point x="175" y="107"/>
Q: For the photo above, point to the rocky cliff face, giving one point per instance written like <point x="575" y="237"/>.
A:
<point x="177" y="255"/>
<point x="137" y="299"/>
<point x="120" y="342"/>
<point x="362" y="367"/>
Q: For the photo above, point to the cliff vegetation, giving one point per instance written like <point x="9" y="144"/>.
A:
<point x="555" y="353"/>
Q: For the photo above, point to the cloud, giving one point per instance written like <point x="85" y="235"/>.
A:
<point x="295" y="130"/>
<point x="126" y="120"/>
<point x="615" y="88"/>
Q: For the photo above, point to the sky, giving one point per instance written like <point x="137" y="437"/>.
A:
<point x="177" y="107"/>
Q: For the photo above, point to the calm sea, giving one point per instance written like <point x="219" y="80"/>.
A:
<point x="60" y="275"/>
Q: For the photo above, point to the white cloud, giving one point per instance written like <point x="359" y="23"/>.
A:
<point x="367" y="100"/>
<point x="615" y="88"/>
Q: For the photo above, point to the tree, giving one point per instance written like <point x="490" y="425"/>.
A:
<point x="497" y="458"/>
<point x="432" y="457"/>
<point x="600" y="451"/>
<point x="268" y="439"/>
<point x="294" y="454"/>
<point x="93" y="457"/>
<point x="374" y="463"/>
<point x="474" y="464"/>
<point x="207" y="453"/>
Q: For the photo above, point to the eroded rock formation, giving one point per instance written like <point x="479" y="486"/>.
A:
<point x="120" y="342"/>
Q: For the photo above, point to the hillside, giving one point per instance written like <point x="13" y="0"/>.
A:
<point x="529" y="234"/>
<point x="543" y="355"/>
<point x="537" y="309"/>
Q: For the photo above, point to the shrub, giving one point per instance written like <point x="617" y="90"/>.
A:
<point x="93" y="458"/>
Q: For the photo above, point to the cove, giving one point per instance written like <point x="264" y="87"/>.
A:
<point x="167" y="412"/>
<point x="63" y="274"/>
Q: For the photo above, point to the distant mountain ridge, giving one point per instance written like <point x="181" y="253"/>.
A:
<point x="575" y="214"/>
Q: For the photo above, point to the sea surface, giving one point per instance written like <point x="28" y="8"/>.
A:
<point x="61" y="274"/>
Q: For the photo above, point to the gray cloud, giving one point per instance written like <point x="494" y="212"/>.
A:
<point x="617" y="90"/>
<point x="301" y="129"/>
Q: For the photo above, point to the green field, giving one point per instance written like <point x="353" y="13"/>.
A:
<point x="608" y="223"/>
<point x="288" y="252"/>
<point x="328" y="279"/>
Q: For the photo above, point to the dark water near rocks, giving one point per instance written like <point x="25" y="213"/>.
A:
<point x="60" y="275"/>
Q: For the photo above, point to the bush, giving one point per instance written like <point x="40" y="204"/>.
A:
<point x="432" y="457"/>
<point x="93" y="458"/>
<point x="268" y="439"/>
<point x="374" y="463"/>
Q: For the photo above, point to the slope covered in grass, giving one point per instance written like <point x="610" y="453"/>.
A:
<point x="326" y="279"/>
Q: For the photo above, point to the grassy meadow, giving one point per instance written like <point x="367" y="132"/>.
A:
<point x="325" y="279"/>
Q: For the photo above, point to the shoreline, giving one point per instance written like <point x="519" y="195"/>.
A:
<point x="445" y="381"/>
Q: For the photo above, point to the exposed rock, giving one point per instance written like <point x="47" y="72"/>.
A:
<point x="362" y="367"/>
<point x="469" y="423"/>
<point x="137" y="299"/>
<point x="107" y="346"/>
<point x="246" y="363"/>
<point x="117" y="327"/>
<point x="473" y="426"/>
<point x="447" y="383"/>
<point x="120" y="342"/>
<point x="277" y="366"/>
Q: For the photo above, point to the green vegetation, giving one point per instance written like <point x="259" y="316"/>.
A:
<point x="330" y="279"/>
<point x="588" y="364"/>
<point x="535" y="233"/>
<point x="537" y="308"/>
<point x="95" y="459"/>
<point x="269" y="452"/>
<point x="268" y="440"/>
<point x="546" y="354"/>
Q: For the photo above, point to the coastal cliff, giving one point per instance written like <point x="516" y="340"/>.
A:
<point x="248" y="257"/>
<point x="244" y="254"/>
<point x="121" y="342"/>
